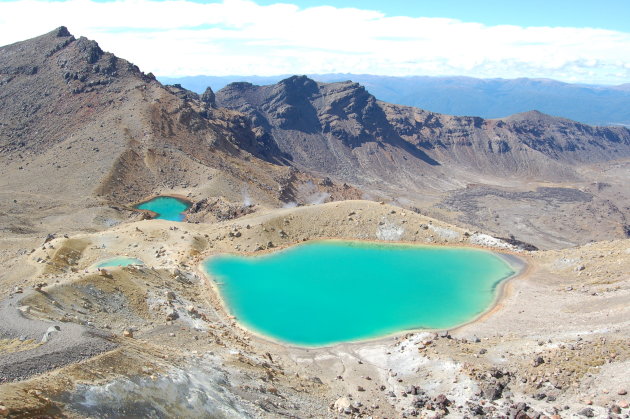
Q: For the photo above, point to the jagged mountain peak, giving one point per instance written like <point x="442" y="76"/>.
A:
<point x="60" y="77"/>
<point x="69" y="107"/>
<point x="80" y="62"/>
<point x="62" y="31"/>
<point x="298" y="83"/>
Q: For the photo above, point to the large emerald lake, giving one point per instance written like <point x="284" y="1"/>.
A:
<point x="328" y="292"/>
<point x="166" y="208"/>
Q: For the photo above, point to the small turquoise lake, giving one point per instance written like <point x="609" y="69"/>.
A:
<point x="166" y="208"/>
<point x="327" y="292"/>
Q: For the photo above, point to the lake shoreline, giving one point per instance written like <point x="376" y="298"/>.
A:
<point x="156" y="215"/>
<point x="519" y="266"/>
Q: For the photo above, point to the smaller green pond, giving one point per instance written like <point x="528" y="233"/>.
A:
<point x="166" y="208"/>
<point x="119" y="261"/>
<point x="330" y="291"/>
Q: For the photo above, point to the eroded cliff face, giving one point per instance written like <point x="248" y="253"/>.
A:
<point x="342" y="129"/>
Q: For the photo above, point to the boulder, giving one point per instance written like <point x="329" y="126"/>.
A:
<point x="442" y="400"/>
<point x="420" y="401"/>
<point x="491" y="390"/>
<point x="587" y="411"/>
<point x="341" y="404"/>
<point x="50" y="332"/>
<point x="539" y="396"/>
<point x="326" y="182"/>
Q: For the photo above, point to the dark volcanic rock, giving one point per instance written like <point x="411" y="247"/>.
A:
<point x="218" y="209"/>
<point x="587" y="412"/>
<point x="492" y="390"/>
<point x="342" y="130"/>
<point x="209" y="98"/>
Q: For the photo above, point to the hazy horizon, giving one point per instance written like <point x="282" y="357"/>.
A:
<point x="460" y="76"/>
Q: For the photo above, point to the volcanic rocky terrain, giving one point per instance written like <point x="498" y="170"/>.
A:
<point x="85" y="135"/>
<point x="430" y="161"/>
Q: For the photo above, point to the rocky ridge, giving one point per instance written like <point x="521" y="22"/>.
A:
<point x="428" y="161"/>
<point x="340" y="128"/>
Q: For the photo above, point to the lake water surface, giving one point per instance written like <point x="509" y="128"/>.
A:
<point x="166" y="208"/>
<point x="328" y="292"/>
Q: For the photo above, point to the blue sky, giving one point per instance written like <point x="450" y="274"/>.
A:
<point x="605" y="14"/>
<point x="576" y="41"/>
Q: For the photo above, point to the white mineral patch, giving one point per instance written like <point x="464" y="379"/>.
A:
<point x="194" y="392"/>
<point x="487" y="240"/>
<point x="389" y="231"/>
<point x="445" y="233"/>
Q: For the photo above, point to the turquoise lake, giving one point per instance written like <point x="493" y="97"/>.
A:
<point x="166" y="208"/>
<point x="119" y="261"/>
<point x="328" y="292"/>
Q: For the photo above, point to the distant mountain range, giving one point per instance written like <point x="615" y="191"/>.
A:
<point x="466" y="96"/>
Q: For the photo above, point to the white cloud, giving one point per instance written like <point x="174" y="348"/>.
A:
<point x="240" y="37"/>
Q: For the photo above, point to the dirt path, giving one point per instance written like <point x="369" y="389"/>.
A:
<point x="71" y="343"/>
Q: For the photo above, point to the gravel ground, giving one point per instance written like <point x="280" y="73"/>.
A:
<point x="72" y="343"/>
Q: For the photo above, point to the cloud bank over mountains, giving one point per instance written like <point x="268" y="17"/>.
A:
<point x="176" y="38"/>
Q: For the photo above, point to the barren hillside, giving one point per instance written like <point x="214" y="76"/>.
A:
<point x="433" y="161"/>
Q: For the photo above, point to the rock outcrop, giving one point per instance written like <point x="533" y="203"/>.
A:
<point x="341" y="129"/>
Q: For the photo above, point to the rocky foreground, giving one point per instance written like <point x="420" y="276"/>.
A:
<point x="155" y="339"/>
